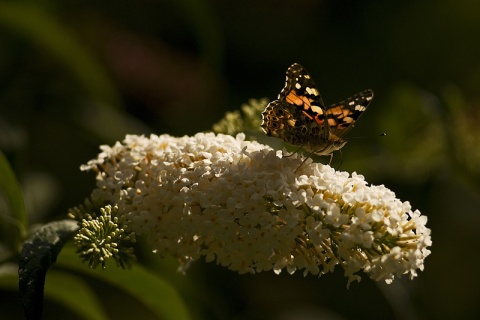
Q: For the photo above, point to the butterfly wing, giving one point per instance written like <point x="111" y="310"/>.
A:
<point x="342" y="116"/>
<point x="301" y="91"/>
<point x="277" y="116"/>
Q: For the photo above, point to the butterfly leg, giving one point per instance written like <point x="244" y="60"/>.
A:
<point x="331" y="158"/>
<point x="301" y="164"/>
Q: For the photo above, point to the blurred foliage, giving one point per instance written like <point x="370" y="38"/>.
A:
<point x="247" y="120"/>
<point x="13" y="220"/>
<point x="77" y="74"/>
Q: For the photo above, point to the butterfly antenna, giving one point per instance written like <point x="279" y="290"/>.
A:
<point x="291" y="154"/>
<point x="363" y="137"/>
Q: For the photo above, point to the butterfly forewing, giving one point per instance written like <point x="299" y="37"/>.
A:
<point x="300" y="90"/>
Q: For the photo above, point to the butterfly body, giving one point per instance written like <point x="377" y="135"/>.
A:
<point x="300" y="118"/>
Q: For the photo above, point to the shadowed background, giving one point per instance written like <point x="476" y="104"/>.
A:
<point x="77" y="74"/>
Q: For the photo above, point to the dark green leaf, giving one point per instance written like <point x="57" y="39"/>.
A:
<point x="10" y="187"/>
<point x="32" y="21"/>
<point x="72" y="292"/>
<point x="149" y="288"/>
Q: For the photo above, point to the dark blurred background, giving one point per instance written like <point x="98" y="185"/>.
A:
<point x="77" y="74"/>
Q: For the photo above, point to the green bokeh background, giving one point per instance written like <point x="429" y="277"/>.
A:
<point x="77" y="74"/>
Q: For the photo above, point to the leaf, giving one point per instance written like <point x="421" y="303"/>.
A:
<point x="14" y="197"/>
<point x="40" y="27"/>
<point x="149" y="288"/>
<point x="73" y="293"/>
<point x="39" y="252"/>
<point x="43" y="29"/>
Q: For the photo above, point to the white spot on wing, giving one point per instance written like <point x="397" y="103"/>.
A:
<point x="312" y="91"/>
<point x="360" y="108"/>
<point x="317" y="109"/>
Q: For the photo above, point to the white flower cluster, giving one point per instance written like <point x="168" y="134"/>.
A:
<point x="241" y="204"/>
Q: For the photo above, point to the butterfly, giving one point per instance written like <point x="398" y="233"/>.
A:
<point x="300" y="117"/>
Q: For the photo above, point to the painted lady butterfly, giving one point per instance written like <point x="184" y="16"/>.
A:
<point x="300" y="118"/>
